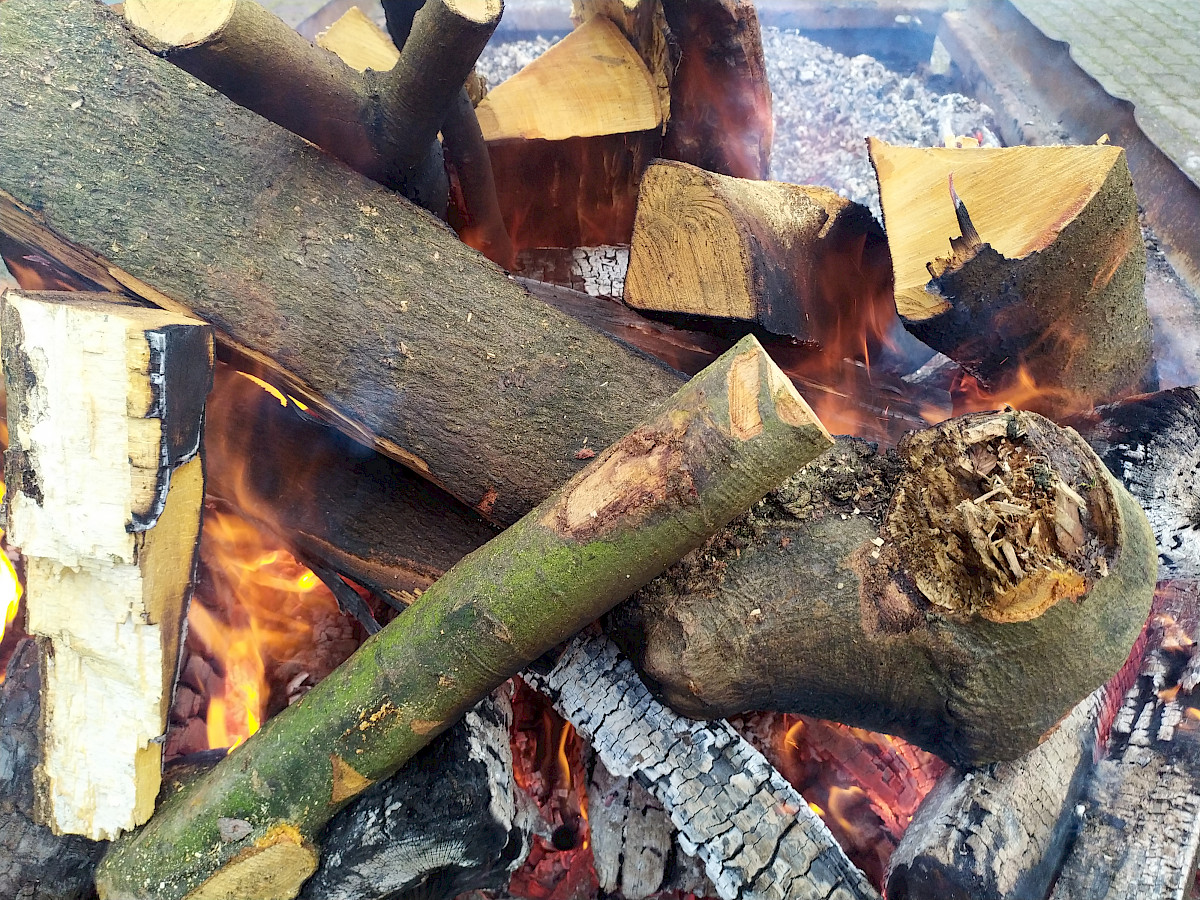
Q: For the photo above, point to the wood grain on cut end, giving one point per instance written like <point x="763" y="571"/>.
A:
<point x="590" y="83"/>
<point x="180" y="23"/>
<point x="273" y="869"/>
<point x="480" y="11"/>
<point x="359" y="42"/>
<point x="744" y="387"/>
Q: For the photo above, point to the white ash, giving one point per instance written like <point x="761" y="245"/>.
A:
<point x="826" y="105"/>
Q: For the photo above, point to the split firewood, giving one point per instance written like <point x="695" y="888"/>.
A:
<point x="720" y="100"/>
<point x="1021" y="258"/>
<point x="35" y="863"/>
<point x="645" y="27"/>
<point x="359" y="42"/>
<point x="569" y="137"/>
<point x="757" y="837"/>
<point x="105" y="484"/>
<point x="964" y="594"/>
<point x="446" y="823"/>
<point x="1141" y="818"/>
<point x="799" y="260"/>
<point x="383" y="124"/>
<point x="441" y="362"/>
<point x="721" y="442"/>
<point x="1152" y="443"/>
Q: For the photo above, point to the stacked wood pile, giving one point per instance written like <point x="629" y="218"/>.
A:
<point x="962" y="569"/>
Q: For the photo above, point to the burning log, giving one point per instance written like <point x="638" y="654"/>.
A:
<point x="581" y="123"/>
<point x="1000" y="831"/>
<point x="106" y="407"/>
<point x="965" y="594"/>
<point x="1141" y="819"/>
<point x="35" y="863"/>
<point x="1045" y="273"/>
<point x="644" y="26"/>
<point x="757" y="837"/>
<point x="382" y="124"/>
<point x="722" y="441"/>
<point x="448" y="822"/>
<point x="720" y="100"/>
<point x="777" y="254"/>
<point x="456" y="371"/>
<point x="1152" y="443"/>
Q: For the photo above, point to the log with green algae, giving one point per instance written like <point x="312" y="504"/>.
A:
<point x="717" y="446"/>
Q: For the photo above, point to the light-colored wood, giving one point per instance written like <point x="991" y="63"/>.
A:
<point x="181" y="22"/>
<point x="359" y="42"/>
<point x="106" y="490"/>
<point x="760" y="251"/>
<point x="590" y="83"/>
<point x="1021" y="257"/>
<point x="643" y="22"/>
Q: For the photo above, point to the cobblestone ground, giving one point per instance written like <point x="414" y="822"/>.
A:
<point x="1146" y="53"/>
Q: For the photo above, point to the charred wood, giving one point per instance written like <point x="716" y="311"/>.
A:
<point x="756" y="835"/>
<point x="1152" y="443"/>
<point x="35" y="863"/>
<point x="1141" y="819"/>
<point x="446" y="823"/>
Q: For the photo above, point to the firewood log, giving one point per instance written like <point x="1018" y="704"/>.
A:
<point x="446" y="823"/>
<point x="798" y="260"/>
<point x="1021" y="257"/>
<point x="1141" y="816"/>
<point x="440" y="360"/>
<point x="569" y="137"/>
<point x="757" y="837"/>
<point x="721" y="442"/>
<point x="964" y="594"/>
<point x="105" y="481"/>
<point x="382" y="124"/>
<point x="720" y="114"/>
<point x="644" y="26"/>
<point x="359" y="42"/>
<point x="35" y="863"/>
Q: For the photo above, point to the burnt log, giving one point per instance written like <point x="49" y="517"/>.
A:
<point x="35" y="863"/>
<point x="955" y="594"/>
<point x="448" y="822"/>
<point x="757" y="837"/>
<point x="1141" y="817"/>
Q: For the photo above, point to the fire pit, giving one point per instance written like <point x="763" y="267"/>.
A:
<point x="386" y="402"/>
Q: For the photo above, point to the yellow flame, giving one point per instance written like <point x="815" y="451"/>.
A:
<point x="269" y="388"/>
<point x="10" y="586"/>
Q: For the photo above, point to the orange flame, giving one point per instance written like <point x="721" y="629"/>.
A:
<point x="10" y="585"/>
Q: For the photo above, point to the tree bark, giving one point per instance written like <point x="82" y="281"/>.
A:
<point x="798" y="260"/>
<point x="1021" y="258"/>
<point x="106" y="482"/>
<point x="720" y="443"/>
<point x="857" y="593"/>
<point x="35" y="863"/>
<point x="456" y="371"/>
<point x="720" y="98"/>
<point x="757" y="837"/>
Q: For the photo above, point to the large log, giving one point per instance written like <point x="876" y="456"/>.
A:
<point x="1021" y="257"/>
<point x="721" y="442"/>
<point x="105" y="478"/>
<point x="914" y="594"/>
<point x="456" y="370"/>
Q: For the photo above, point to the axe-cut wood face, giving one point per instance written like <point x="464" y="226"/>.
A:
<point x="106" y="406"/>
<point x="1021" y="262"/>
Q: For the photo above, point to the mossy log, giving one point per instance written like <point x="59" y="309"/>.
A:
<point x="964" y="593"/>
<point x="720" y="443"/>
<point x="797" y="259"/>
<point x="1021" y="258"/>
<point x="440" y="361"/>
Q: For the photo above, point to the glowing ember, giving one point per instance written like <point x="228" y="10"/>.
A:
<point x="10" y="585"/>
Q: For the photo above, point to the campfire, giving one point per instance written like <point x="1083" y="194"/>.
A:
<point x="416" y="488"/>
